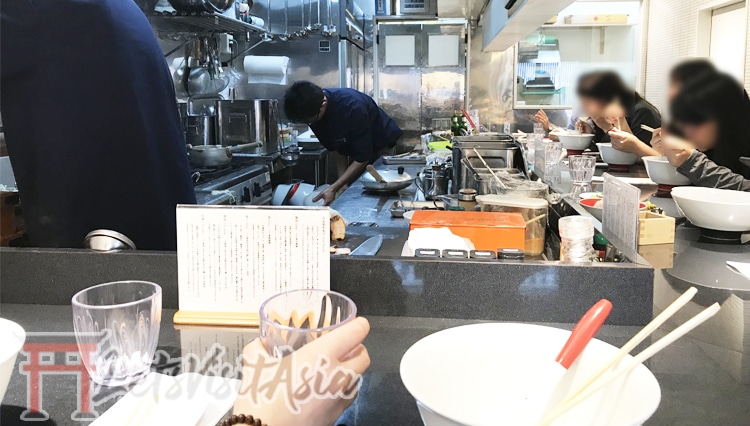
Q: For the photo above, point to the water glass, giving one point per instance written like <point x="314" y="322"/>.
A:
<point x="576" y="239"/>
<point x="552" y="153"/>
<point x="295" y="318"/>
<point x="117" y="328"/>
<point x="538" y="129"/>
<point x="581" y="168"/>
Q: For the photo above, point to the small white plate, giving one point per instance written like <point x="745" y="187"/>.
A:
<point x="585" y="195"/>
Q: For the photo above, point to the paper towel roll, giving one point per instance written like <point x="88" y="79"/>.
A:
<point x="266" y="69"/>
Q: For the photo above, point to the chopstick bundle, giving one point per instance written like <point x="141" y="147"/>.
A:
<point x="598" y="380"/>
<point x="647" y="128"/>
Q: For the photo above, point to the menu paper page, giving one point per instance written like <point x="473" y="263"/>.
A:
<point x="620" y="215"/>
<point x="230" y="259"/>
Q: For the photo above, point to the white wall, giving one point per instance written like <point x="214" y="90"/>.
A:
<point x="672" y="35"/>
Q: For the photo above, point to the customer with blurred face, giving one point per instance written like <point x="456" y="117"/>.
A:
<point x="712" y="114"/>
<point x="686" y="72"/>
<point x="616" y="113"/>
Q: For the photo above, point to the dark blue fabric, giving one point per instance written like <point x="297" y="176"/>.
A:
<point x="354" y="125"/>
<point x="91" y="122"/>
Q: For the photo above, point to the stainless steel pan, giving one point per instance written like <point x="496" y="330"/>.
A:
<point x="215" y="155"/>
<point x="392" y="180"/>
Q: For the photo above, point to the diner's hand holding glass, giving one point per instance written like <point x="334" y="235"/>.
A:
<point x="584" y="127"/>
<point x="267" y="381"/>
<point x="675" y="149"/>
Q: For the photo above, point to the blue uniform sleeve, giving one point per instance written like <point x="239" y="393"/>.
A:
<point x="361" y="143"/>
<point x="18" y="19"/>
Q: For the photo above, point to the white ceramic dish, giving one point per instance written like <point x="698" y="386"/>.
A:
<point x="309" y="200"/>
<point x="717" y="209"/>
<point x="299" y="196"/>
<point x="613" y="156"/>
<point x="585" y="195"/>
<point x="589" y="204"/>
<point x="575" y="141"/>
<point x="280" y="193"/>
<point x="660" y="171"/>
<point x="12" y="337"/>
<point x="475" y="375"/>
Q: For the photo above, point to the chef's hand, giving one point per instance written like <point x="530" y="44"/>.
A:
<point x="541" y="118"/>
<point x="327" y="195"/>
<point x="339" y="355"/>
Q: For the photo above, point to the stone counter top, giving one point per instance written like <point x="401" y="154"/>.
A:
<point x="695" y="389"/>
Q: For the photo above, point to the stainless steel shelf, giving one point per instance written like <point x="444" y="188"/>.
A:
<point x="200" y="23"/>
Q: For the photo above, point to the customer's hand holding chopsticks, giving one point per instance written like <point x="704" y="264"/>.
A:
<point x="675" y="149"/>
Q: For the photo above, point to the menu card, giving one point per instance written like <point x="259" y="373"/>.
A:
<point x="232" y="258"/>
<point x="620" y="215"/>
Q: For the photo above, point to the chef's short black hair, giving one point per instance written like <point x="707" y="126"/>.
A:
<point x="302" y="101"/>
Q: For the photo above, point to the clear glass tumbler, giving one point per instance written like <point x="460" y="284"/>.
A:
<point x="295" y="318"/>
<point x="117" y="329"/>
<point x="552" y="153"/>
<point x="581" y="168"/>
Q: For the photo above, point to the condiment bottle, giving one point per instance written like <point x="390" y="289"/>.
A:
<point x="467" y="198"/>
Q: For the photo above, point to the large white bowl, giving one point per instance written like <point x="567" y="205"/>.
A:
<point x="574" y="141"/>
<point x="717" y="209"/>
<point x="299" y="196"/>
<point x="612" y="156"/>
<point x="476" y="375"/>
<point x="660" y="171"/>
<point x="12" y="337"/>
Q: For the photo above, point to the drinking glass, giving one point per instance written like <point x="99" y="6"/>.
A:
<point x="295" y="318"/>
<point x="552" y="153"/>
<point x="538" y="129"/>
<point x="581" y="168"/>
<point x="117" y="328"/>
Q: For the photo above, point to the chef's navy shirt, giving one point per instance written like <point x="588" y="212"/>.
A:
<point x="91" y="122"/>
<point x="355" y="126"/>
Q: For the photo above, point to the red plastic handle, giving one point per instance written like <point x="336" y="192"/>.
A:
<point x="583" y="332"/>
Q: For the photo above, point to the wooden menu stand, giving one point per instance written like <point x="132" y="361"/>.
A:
<point x="223" y="319"/>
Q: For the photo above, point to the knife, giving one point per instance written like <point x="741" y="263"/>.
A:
<point x="370" y="247"/>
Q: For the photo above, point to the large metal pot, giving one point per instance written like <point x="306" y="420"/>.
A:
<point x="394" y="180"/>
<point x="215" y="155"/>
<point x="201" y="5"/>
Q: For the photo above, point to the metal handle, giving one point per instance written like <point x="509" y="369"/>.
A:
<point x="374" y="173"/>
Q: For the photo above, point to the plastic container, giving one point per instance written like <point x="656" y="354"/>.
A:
<point x="533" y="210"/>
<point x="576" y="239"/>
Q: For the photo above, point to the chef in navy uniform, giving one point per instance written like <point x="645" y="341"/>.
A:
<point x="348" y="123"/>
<point x="91" y="122"/>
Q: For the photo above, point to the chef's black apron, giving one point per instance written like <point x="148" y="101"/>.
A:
<point x="91" y="123"/>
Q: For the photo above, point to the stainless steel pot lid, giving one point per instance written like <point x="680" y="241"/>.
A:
<point x="127" y="242"/>
<point x="389" y="175"/>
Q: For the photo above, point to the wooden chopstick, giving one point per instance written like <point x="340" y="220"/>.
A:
<point x="647" y="128"/>
<point x="633" y="363"/>
<point x="635" y="341"/>
<point x="502" y="185"/>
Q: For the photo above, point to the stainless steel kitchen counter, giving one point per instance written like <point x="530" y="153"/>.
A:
<point x="695" y="389"/>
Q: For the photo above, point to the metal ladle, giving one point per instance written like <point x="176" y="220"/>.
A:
<point x="492" y="172"/>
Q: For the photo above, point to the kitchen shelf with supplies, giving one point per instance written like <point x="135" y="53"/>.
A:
<point x="201" y="23"/>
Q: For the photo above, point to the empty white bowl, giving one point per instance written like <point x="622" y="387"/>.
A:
<point x="660" y="171"/>
<point x="717" y="209"/>
<point x="12" y="337"/>
<point x="614" y="157"/>
<point x="575" y="141"/>
<point x="280" y="193"/>
<point x="476" y="375"/>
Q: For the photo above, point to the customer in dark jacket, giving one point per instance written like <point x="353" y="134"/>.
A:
<point x="713" y="115"/>
<point x="91" y="122"/>
<point x="616" y="113"/>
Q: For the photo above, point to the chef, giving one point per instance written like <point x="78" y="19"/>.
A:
<point x="348" y="123"/>
<point x="91" y="122"/>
